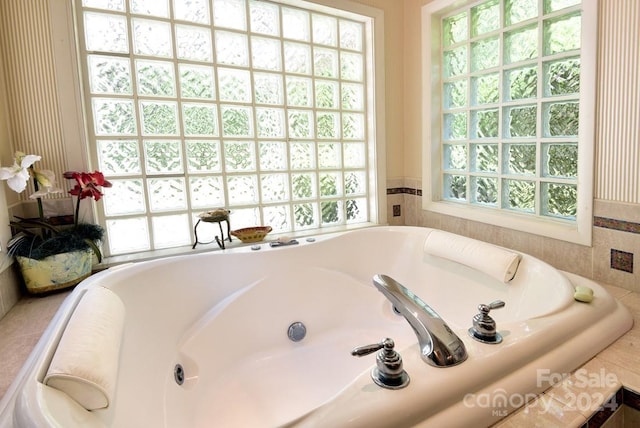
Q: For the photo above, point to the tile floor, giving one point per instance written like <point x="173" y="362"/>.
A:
<point x="20" y="330"/>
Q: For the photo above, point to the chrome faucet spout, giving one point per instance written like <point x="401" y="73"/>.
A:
<point x="439" y="345"/>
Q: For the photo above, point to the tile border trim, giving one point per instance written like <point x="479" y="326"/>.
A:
<point x="624" y="396"/>
<point x="613" y="224"/>
<point x="404" y="190"/>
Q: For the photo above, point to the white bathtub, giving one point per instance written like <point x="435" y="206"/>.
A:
<point x="223" y="317"/>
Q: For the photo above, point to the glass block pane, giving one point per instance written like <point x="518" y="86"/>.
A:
<point x="455" y="156"/>
<point x="521" y="44"/>
<point x="357" y="210"/>
<point x="329" y="155"/>
<point x="560" y="160"/>
<point x="163" y="157"/>
<point x="519" y="195"/>
<point x="561" y="200"/>
<point x="167" y="194"/>
<point x="295" y="24"/>
<point x="150" y="7"/>
<point x="520" y="10"/>
<point x="152" y="38"/>
<point x="105" y="4"/>
<point x="264" y="17"/>
<point x="206" y="192"/>
<point x="124" y="197"/>
<point x="484" y="157"/>
<point x="277" y="217"/>
<point x="171" y="231"/>
<point x="109" y="75"/>
<point x="325" y="62"/>
<point x="232" y="48"/>
<point x="485" y="53"/>
<point x="563" y="119"/>
<point x="234" y="85"/>
<point x="203" y="156"/>
<point x="128" y="235"/>
<point x="485" y="190"/>
<point x="118" y="157"/>
<point x="325" y="30"/>
<point x="553" y="5"/>
<point x="327" y="94"/>
<point x="455" y="187"/>
<point x="352" y="96"/>
<point x="354" y="155"/>
<point x="520" y="159"/>
<point x="266" y="53"/>
<point x="455" y="126"/>
<point x="328" y="125"/>
<point x="297" y="58"/>
<point x="237" y="121"/>
<point x="355" y="183"/>
<point x="273" y="155"/>
<point x="159" y="118"/>
<point x="230" y="14"/>
<point x="351" y="66"/>
<point x="270" y="122"/>
<point x="353" y="126"/>
<point x="246" y="217"/>
<point x="303" y="186"/>
<point x="303" y="155"/>
<point x="455" y="61"/>
<point x="485" y="123"/>
<point x="562" y="34"/>
<point x="521" y="122"/>
<point x="268" y="88"/>
<point x="243" y="189"/>
<point x="239" y="156"/>
<point x="196" y="81"/>
<point x="351" y="34"/>
<point x="562" y="77"/>
<point x="200" y="119"/>
<point x="485" y="89"/>
<point x="191" y="10"/>
<point x="299" y="91"/>
<point x="155" y="78"/>
<point x="300" y="124"/>
<point x="306" y="216"/>
<point x="194" y="43"/>
<point x="522" y="83"/>
<point x="485" y="17"/>
<point x="113" y="116"/>
<point x="105" y="32"/>
<point x="455" y="29"/>
<point x="274" y="187"/>
<point x="455" y="94"/>
<point x="331" y="212"/>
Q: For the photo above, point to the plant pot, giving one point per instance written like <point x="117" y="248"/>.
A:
<point x="55" y="272"/>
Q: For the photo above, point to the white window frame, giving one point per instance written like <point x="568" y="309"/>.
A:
<point x="73" y="117"/>
<point x="580" y="231"/>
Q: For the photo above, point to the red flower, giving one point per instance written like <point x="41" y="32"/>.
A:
<point x="87" y="184"/>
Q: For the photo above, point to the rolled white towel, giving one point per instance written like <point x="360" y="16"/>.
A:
<point x="85" y="364"/>
<point x="498" y="262"/>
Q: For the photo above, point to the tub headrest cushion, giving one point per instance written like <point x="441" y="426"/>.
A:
<point x="498" y="262"/>
<point x="85" y="364"/>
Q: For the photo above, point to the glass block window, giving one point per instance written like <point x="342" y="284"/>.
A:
<point x="509" y="110"/>
<point x="256" y="106"/>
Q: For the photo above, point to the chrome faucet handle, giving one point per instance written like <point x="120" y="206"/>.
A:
<point x="484" y="327"/>
<point x="388" y="372"/>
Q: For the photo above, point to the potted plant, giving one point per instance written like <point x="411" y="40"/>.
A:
<point x="53" y="257"/>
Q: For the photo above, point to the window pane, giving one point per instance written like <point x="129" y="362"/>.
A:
<point x="270" y="122"/>
<point x="114" y="117"/>
<point x="167" y="194"/>
<point x="171" y="231"/>
<point x="159" y="118"/>
<point x="243" y="189"/>
<point x="155" y="78"/>
<point x="268" y="88"/>
<point x="231" y="48"/>
<point x="278" y="218"/>
<point x="553" y="5"/>
<point x="163" y="157"/>
<point x="265" y="53"/>
<point x="193" y="43"/>
<point x="197" y="81"/>
<point x="485" y="53"/>
<point x="200" y="119"/>
<point x="454" y="29"/>
<point x="485" y="123"/>
<point x="455" y="62"/>
<point x="105" y="33"/>
<point x="562" y="34"/>
<point x="519" y="195"/>
<point x="522" y="121"/>
<point x="521" y="44"/>
<point x="560" y="200"/>
<point x="560" y="160"/>
<point x="118" y="157"/>
<point x="455" y="94"/>
<point x="325" y="30"/>
<point x="295" y="24"/>
<point x="108" y="75"/>
<point x="455" y="156"/>
<point x="273" y="155"/>
<point x="484" y="157"/>
<point x="522" y="83"/>
<point x="203" y="156"/>
<point x="455" y="187"/>
<point x="124" y="197"/>
<point x="350" y="35"/>
<point x="485" y="190"/>
<point x="274" y="187"/>
<point x="455" y="126"/>
<point x="192" y="10"/>
<point x="239" y="156"/>
<point x="520" y="10"/>
<point x="230" y="14"/>
<point x="485" y="89"/>
<point x="562" y="119"/>
<point x="485" y="18"/>
<point x="520" y="159"/>
<point x="152" y="38"/>
<point x="128" y="235"/>
<point x="562" y="77"/>
<point x="206" y="192"/>
<point x="237" y="121"/>
<point x="150" y="7"/>
<point x="265" y="17"/>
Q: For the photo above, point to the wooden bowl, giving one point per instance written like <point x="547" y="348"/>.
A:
<point x="252" y="234"/>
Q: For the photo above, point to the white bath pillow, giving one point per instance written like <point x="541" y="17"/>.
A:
<point x="495" y="261"/>
<point x="85" y="364"/>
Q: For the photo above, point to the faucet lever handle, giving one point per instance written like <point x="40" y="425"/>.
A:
<point x="361" y="351"/>
<point x="496" y="304"/>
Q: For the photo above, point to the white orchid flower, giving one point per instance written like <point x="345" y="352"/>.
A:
<point x="46" y="183"/>
<point x="17" y="175"/>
